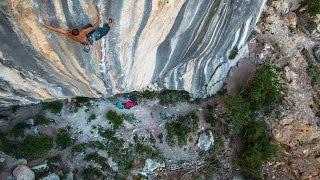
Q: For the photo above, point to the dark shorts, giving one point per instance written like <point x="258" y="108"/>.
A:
<point x="98" y="33"/>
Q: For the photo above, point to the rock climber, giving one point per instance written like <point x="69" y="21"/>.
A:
<point x="85" y="36"/>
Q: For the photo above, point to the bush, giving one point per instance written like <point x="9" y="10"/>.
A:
<point x="265" y="88"/>
<point x="173" y="96"/>
<point x="18" y="130"/>
<point x="149" y="94"/>
<point x="55" y="106"/>
<point x="40" y="119"/>
<point x="313" y="6"/>
<point x="106" y="133"/>
<point x="1" y="167"/>
<point x="92" y="174"/>
<point x="64" y="139"/>
<point x="80" y="100"/>
<point x="145" y="151"/>
<point x="96" y="158"/>
<point x="79" y="148"/>
<point x="233" y="53"/>
<point x="116" y="119"/>
<point x="92" y="117"/>
<point x="259" y="148"/>
<point x="240" y="112"/>
<point x="34" y="147"/>
<point x="181" y="128"/>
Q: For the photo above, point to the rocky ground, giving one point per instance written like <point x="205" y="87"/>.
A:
<point x="287" y="37"/>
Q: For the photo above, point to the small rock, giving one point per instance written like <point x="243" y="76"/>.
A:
<point x="113" y="165"/>
<point x="30" y="122"/>
<point x="291" y="19"/>
<point x="23" y="172"/>
<point x="2" y="160"/>
<point x="69" y="176"/>
<point x="52" y="176"/>
<point x="152" y="165"/>
<point x="206" y="140"/>
<point x="40" y="168"/>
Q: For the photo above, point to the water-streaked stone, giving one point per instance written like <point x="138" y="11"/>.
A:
<point x="175" y="44"/>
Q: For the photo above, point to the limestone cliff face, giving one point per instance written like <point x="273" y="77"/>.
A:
<point x="175" y="44"/>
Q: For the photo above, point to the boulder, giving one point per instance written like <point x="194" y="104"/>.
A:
<point x="52" y="176"/>
<point x="23" y="172"/>
<point x="152" y="165"/>
<point x="206" y="140"/>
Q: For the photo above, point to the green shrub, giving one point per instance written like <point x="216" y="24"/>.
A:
<point x="259" y="148"/>
<point x="210" y="117"/>
<point x="240" y="112"/>
<point x="313" y="6"/>
<point x="149" y="94"/>
<point x="106" y="133"/>
<point x="55" y="106"/>
<point x="64" y="139"/>
<point x="96" y="158"/>
<point x="265" y="88"/>
<point x="146" y="152"/>
<point x="168" y="97"/>
<point x="18" y="130"/>
<point x="234" y="52"/>
<point x="79" y="148"/>
<point x="40" y="119"/>
<point x="1" y="167"/>
<point x="181" y="128"/>
<point x="80" y="100"/>
<point x="92" y="174"/>
<point x="8" y="147"/>
<point x="34" y="147"/>
<point x="92" y="117"/>
<point x="54" y="159"/>
<point x="314" y="72"/>
<point x="116" y="119"/>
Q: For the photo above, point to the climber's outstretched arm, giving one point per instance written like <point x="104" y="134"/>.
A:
<point x="58" y="30"/>
<point x="89" y="29"/>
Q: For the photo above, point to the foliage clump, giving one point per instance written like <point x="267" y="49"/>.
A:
<point x="265" y="88"/>
<point x="106" y="133"/>
<point x="116" y="119"/>
<point x="181" y="128"/>
<point x="18" y="130"/>
<point x="54" y="106"/>
<point x="96" y="158"/>
<point x="168" y="97"/>
<point x="144" y="151"/>
<point x="41" y="119"/>
<point x="1" y="167"/>
<point x="80" y="100"/>
<point x="258" y="145"/>
<point x="64" y="139"/>
<point x="79" y="148"/>
<point x="313" y="6"/>
<point x="91" y="173"/>
<point x="149" y="94"/>
<point x="240" y="112"/>
<point x="259" y="148"/>
<point x="92" y="117"/>
<point x="34" y="147"/>
<point x="234" y="52"/>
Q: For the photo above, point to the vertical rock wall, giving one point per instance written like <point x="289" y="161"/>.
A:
<point x="175" y="44"/>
